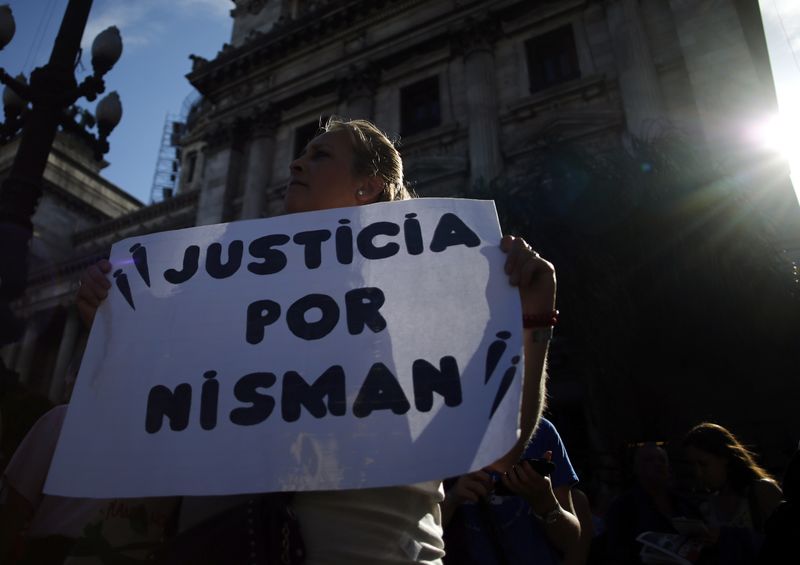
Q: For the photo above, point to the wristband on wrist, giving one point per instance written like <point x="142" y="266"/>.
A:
<point x="540" y="320"/>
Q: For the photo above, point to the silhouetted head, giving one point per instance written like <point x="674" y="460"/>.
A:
<point x="651" y="466"/>
<point x="349" y="163"/>
<point x="720" y="459"/>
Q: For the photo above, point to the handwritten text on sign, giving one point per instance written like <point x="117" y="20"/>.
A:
<point x="348" y="348"/>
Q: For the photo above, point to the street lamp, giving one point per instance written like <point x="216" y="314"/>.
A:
<point x="7" y="26"/>
<point x="38" y="109"/>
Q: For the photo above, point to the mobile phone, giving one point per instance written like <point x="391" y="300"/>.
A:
<point x="541" y="466"/>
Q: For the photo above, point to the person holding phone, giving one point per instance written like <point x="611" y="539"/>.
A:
<point x="522" y="516"/>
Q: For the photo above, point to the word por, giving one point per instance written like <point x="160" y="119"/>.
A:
<point x="361" y="304"/>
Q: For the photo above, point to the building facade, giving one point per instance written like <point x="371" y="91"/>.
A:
<point x="471" y="88"/>
<point x="75" y="198"/>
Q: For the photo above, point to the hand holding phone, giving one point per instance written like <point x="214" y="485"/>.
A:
<point x="542" y="466"/>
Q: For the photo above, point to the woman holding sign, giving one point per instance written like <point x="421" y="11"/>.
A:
<point x="352" y="163"/>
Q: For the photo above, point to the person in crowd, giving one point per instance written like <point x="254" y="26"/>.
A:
<point x="20" y="407"/>
<point x="782" y="528"/>
<point x="352" y="163"/>
<point x="40" y="529"/>
<point x="650" y="505"/>
<point x="580" y="553"/>
<point x="742" y="495"/>
<point x="534" y="522"/>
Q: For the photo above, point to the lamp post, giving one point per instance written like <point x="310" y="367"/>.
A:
<point x="52" y="92"/>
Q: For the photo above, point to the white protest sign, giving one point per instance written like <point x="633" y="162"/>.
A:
<point x="348" y="348"/>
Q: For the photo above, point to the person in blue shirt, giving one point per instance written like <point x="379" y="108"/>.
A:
<point x="536" y="524"/>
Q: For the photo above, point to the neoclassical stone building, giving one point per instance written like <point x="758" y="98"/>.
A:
<point x="75" y="198"/>
<point x="470" y="87"/>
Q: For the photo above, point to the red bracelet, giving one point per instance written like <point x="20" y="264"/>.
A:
<point x="540" y="320"/>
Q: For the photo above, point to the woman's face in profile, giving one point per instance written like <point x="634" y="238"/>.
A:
<point x="711" y="470"/>
<point x="322" y="176"/>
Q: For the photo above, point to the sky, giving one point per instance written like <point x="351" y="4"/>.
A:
<point x="157" y="36"/>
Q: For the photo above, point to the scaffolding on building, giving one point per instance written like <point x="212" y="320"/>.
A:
<point x="168" y="165"/>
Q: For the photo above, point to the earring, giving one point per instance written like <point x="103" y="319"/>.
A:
<point x="360" y="192"/>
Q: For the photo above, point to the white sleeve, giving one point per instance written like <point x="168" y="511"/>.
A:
<point x="28" y="468"/>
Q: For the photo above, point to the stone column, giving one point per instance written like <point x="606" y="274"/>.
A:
<point x="357" y="91"/>
<point x="223" y="159"/>
<point x="476" y="44"/>
<point x="25" y="357"/>
<point x="727" y="89"/>
<point x="638" y="79"/>
<point x="260" y="155"/>
<point x="66" y="349"/>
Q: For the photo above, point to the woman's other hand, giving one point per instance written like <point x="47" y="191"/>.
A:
<point x="94" y="286"/>
<point x="535" y="277"/>
<point x="471" y="487"/>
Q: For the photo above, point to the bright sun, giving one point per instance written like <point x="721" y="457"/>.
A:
<point x="778" y="134"/>
<point x="781" y="134"/>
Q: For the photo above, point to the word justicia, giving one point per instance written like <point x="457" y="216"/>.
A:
<point x="378" y="240"/>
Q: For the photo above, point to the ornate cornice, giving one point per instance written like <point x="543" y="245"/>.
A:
<point x="478" y="33"/>
<point x="244" y="7"/>
<point x="69" y="200"/>
<point x="148" y="213"/>
<point x="219" y="79"/>
<point x="313" y="25"/>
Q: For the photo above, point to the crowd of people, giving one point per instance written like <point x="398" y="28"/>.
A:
<point x="529" y="507"/>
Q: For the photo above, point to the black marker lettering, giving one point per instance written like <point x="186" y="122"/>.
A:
<point x="139" y="254"/>
<point x="261" y="405"/>
<point x="260" y="314"/>
<point x="494" y="353"/>
<point x="298" y="393"/>
<point x="312" y="242"/>
<point x="214" y="265"/>
<point x="380" y="391"/>
<point x="273" y="260"/>
<point x="174" y="405"/>
<point x="344" y="243"/>
<point x="366" y="245"/>
<point x="122" y="284"/>
<point x="190" y="262"/>
<point x="445" y="380"/>
<point x="413" y="235"/>
<point x="505" y="383"/>
<point x="452" y="231"/>
<point x="363" y="305"/>
<point x="296" y="316"/>
<point x="209" y="398"/>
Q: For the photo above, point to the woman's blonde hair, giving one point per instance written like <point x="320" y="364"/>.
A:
<point x="374" y="155"/>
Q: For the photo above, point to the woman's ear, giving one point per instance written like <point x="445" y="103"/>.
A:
<point x="370" y="191"/>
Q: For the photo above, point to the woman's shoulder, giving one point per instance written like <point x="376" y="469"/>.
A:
<point x="768" y="494"/>
<point x="766" y="486"/>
